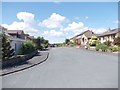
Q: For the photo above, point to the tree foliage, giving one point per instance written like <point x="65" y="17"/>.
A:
<point x="93" y="37"/>
<point x="7" y="51"/>
<point x="102" y="47"/>
<point x="41" y="43"/>
<point x="67" y="41"/>
<point x="94" y="41"/>
<point x="27" y="48"/>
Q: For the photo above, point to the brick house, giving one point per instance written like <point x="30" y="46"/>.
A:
<point x="83" y="38"/>
<point x="109" y="35"/>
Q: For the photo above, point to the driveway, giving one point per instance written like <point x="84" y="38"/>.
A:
<point x="68" y="68"/>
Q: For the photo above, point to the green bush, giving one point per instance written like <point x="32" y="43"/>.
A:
<point x="72" y="44"/>
<point x="60" y="44"/>
<point x="27" y="48"/>
<point x="110" y="48"/>
<point x="40" y="43"/>
<point x="119" y="48"/>
<point x="114" y="48"/>
<point x="94" y="42"/>
<point x="102" y="47"/>
<point x="97" y="47"/>
<point x="108" y="43"/>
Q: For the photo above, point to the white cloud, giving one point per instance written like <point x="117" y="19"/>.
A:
<point x="54" y="21"/>
<point x="79" y="27"/>
<point x="76" y="28"/>
<point x="86" y="17"/>
<point x="25" y="16"/>
<point x="53" y="33"/>
<point x="99" y="30"/>
<point x="27" y="24"/>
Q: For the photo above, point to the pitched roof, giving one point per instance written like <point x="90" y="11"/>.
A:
<point x="15" y="31"/>
<point x="109" y="32"/>
<point x="87" y="33"/>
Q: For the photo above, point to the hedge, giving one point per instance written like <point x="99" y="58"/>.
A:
<point x="102" y="47"/>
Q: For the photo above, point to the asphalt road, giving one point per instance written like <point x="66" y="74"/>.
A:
<point x="68" y="68"/>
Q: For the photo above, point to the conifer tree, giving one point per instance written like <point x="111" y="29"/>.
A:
<point x="7" y="52"/>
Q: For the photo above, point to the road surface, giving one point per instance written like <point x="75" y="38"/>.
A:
<point x="68" y="68"/>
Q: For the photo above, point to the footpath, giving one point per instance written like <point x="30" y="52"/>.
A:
<point x="37" y="59"/>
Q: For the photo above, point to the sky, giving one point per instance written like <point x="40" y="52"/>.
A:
<point x="57" y="21"/>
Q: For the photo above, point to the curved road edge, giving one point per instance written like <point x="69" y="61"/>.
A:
<point x="27" y="67"/>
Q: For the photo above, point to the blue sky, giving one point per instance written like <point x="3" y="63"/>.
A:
<point x="57" y="21"/>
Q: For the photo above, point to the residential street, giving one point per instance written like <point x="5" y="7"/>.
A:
<point x="68" y="68"/>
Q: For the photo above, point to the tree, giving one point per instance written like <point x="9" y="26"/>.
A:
<point x="41" y="43"/>
<point x="67" y="41"/>
<point x="93" y="37"/>
<point x="7" y="52"/>
<point x="27" y="48"/>
<point x="46" y="42"/>
<point x="37" y="42"/>
<point x="93" y="41"/>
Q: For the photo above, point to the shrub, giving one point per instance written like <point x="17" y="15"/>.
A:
<point x="93" y="37"/>
<point x="102" y="47"/>
<point x="110" y="48"/>
<point x="97" y="47"/>
<point x="60" y="44"/>
<point x="40" y="43"/>
<point x="94" y="42"/>
<point x="114" y="48"/>
<point x="72" y="44"/>
<point x="27" y="48"/>
<point x="108" y="43"/>
<point x="119" y="49"/>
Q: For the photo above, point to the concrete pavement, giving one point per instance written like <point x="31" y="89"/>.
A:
<point x="68" y="68"/>
<point x="40" y="57"/>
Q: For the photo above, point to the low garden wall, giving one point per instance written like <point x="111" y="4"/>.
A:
<point x="17" y="59"/>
